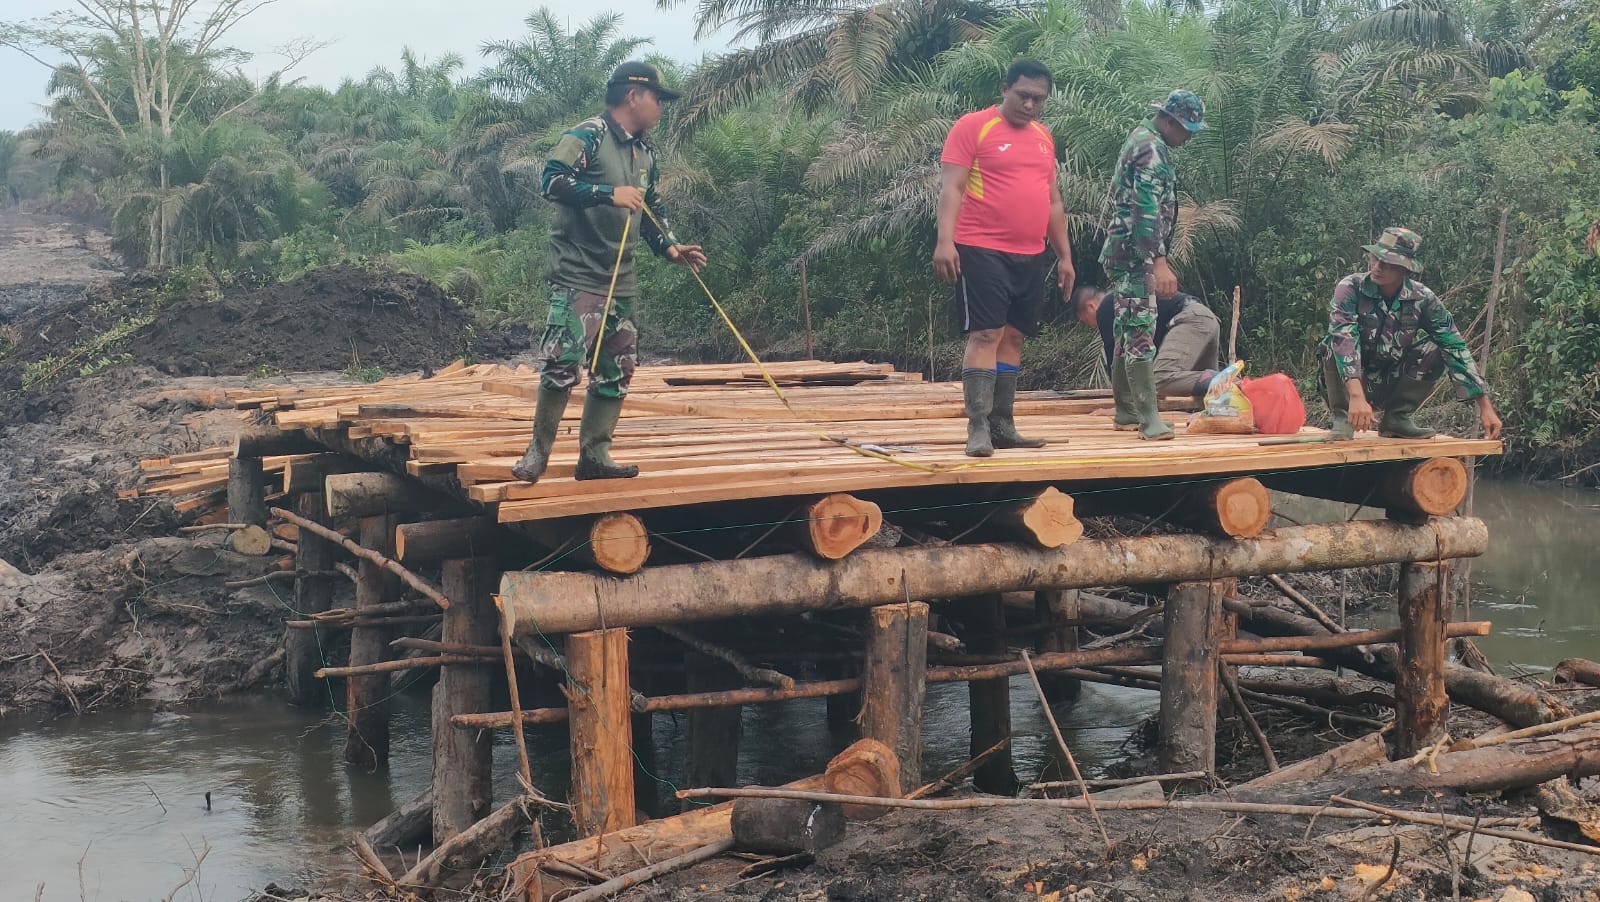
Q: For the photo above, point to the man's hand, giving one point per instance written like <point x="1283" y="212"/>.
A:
<point x="1161" y="279"/>
<point x="946" y="262"/>
<point x="1066" y="277"/>
<point x="1360" y="411"/>
<point x="690" y="255"/>
<point x="627" y="197"/>
<point x="1489" y="419"/>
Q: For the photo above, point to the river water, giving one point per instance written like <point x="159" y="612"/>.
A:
<point x="110" y="807"/>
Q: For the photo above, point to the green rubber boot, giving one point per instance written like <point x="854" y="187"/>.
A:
<point x="594" y="441"/>
<point x="1407" y="396"/>
<point x="1142" y="379"/>
<point x="546" y="420"/>
<point x="1002" y="422"/>
<point x="977" y="392"/>
<point x="1127" y="416"/>
<point x="1338" y="398"/>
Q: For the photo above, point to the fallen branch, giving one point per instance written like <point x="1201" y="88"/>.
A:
<point x="1463" y="825"/>
<point x="278" y="576"/>
<point x="1231" y="683"/>
<point x="72" y="697"/>
<point x="1066" y="750"/>
<point x="398" y="664"/>
<point x="729" y="657"/>
<point x="369" y="859"/>
<point x="1544" y="729"/>
<point x="959" y="774"/>
<point x="1123" y="781"/>
<point x="355" y="624"/>
<point x="367" y="554"/>
<point x="645" y="875"/>
<point x="473" y="844"/>
<point x="257" y="672"/>
<point x="206" y="527"/>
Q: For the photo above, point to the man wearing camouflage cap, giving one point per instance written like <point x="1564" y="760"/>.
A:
<point x="1144" y="211"/>
<point x="1389" y="340"/>
<point x="601" y="176"/>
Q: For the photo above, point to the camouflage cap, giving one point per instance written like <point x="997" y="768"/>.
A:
<point x="1185" y="107"/>
<point x="1397" y="246"/>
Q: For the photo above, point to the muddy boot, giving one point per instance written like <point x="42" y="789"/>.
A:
<point x="977" y="391"/>
<point x="594" y="441"/>
<point x="1338" y="398"/>
<point x="1142" y="379"/>
<point x="1002" y="425"/>
<point x="1127" y="416"/>
<point x="1407" y="396"/>
<point x="546" y="420"/>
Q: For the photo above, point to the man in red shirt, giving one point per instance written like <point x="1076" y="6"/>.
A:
<point x="998" y="202"/>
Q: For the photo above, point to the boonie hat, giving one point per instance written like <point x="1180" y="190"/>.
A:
<point x="1397" y="246"/>
<point x="1185" y="107"/>
<point x="642" y="75"/>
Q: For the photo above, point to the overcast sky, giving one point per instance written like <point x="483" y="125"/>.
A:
<point x="369" y="33"/>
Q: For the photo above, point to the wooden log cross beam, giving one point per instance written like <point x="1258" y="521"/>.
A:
<point x="569" y="602"/>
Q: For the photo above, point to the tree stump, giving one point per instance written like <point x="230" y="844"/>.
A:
<point x="867" y="768"/>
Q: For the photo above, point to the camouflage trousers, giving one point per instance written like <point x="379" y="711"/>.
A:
<point x="1422" y="362"/>
<point x="1134" y="327"/>
<point x="567" y="344"/>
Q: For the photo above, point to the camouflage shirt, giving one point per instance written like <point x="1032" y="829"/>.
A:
<point x="1144" y="204"/>
<point x="1369" y="336"/>
<point x="587" y="164"/>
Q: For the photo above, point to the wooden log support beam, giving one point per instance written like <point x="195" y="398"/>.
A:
<point x="371" y="494"/>
<point x="1236" y="508"/>
<point x="463" y="760"/>
<point x="1188" y="719"/>
<point x="247" y="502"/>
<point x="367" y="696"/>
<point x="1046" y="520"/>
<point x="265" y="441"/>
<point x="366" y="554"/>
<point x="438" y="540"/>
<point x="1578" y="670"/>
<point x="835" y="525"/>
<point x="714" y="733"/>
<point x="1422" y="708"/>
<point x="1058" y="610"/>
<point x="1408" y="490"/>
<point x="306" y="473"/>
<point x="616" y="542"/>
<point x="602" y="734"/>
<point x="894" y="684"/>
<point x="313" y="594"/>
<point x="573" y="602"/>
<point x="988" y="701"/>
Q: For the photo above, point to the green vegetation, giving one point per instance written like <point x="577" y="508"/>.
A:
<point x="819" y="141"/>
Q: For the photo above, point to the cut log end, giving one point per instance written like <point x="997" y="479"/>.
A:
<point x="867" y="768"/>
<point x="251" y="540"/>
<point x="1243" y="508"/>
<point x="839" y="524"/>
<point x="1049" y="520"/>
<point x="1437" y="486"/>
<point x="619" y="543"/>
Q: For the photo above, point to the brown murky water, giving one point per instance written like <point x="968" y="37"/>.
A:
<point x="111" y="807"/>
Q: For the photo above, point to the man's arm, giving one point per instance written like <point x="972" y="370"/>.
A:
<point x="564" y="179"/>
<point x="1344" y="342"/>
<point x="1458" y="362"/>
<point x="952" y="186"/>
<point x="1059" y="241"/>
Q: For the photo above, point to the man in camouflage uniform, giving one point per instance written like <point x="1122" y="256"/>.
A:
<point x="601" y="175"/>
<point x="1144" y="212"/>
<point x="1389" y="340"/>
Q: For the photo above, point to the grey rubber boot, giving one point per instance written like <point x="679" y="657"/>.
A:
<point x="1002" y="421"/>
<point x="1142" y="379"/>
<point x="1338" y="398"/>
<point x="977" y="392"/>
<point x="594" y="441"/>
<point x="546" y="420"/>
<point x="1407" y="396"/>
<point x="1127" y="416"/>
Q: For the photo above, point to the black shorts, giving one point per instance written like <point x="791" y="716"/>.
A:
<point x="999" y="289"/>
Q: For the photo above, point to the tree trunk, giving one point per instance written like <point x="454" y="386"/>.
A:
<point x="1409" y="490"/>
<point x="602" y="732"/>
<point x="312" y="594"/>
<point x="1422" y="708"/>
<point x="373" y="494"/>
<point x="246" y="500"/>
<point x="1057" y="608"/>
<point x="463" y="760"/>
<point x="572" y="602"/>
<point x="1045" y="521"/>
<point x="437" y="540"/>
<point x="988" y="701"/>
<point x="714" y="733"/>
<point x="894" y="684"/>
<point x="835" y="525"/>
<point x="1188" y="719"/>
<point x="367" y="697"/>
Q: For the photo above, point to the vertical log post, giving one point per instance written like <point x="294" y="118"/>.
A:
<point x="602" y="731"/>
<point x="366" y="741"/>
<point x="894" y="684"/>
<point x="463" y="760"/>
<point x="1056" y="609"/>
<point x="714" y="733"/>
<point x="1421" y="706"/>
<point x="312" y="594"/>
<point x="247" y="500"/>
<point x="1188" y="725"/>
<point x="989" y="701"/>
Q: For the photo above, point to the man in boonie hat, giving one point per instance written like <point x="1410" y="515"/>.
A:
<point x="601" y="176"/>
<point x="1144" y="211"/>
<point x="1389" y="340"/>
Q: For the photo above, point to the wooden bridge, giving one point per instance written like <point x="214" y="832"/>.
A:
<point x="839" y="491"/>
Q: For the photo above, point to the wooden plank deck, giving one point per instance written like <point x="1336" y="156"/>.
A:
<point x="706" y="434"/>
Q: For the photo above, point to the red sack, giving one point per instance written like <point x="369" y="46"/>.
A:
<point x="1277" y="406"/>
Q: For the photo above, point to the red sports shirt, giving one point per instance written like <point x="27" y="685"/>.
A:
<point x="1006" y="206"/>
